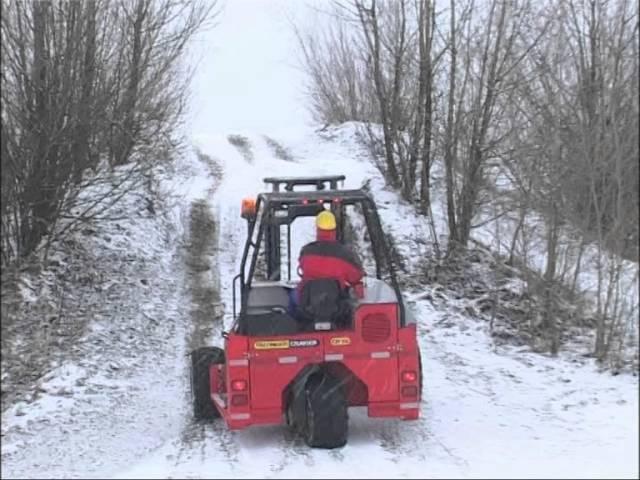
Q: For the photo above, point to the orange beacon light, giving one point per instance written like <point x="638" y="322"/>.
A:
<point x="248" y="210"/>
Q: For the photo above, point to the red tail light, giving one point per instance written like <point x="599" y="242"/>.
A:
<point x="409" y="376"/>
<point x="238" y="385"/>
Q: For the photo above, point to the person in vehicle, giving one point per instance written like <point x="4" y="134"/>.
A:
<point x="326" y="258"/>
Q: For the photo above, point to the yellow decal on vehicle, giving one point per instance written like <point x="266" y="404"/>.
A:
<point x="271" y="344"/>
<point x="340" y="341"/>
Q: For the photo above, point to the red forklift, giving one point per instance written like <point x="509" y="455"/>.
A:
<point x="275" y="368"/>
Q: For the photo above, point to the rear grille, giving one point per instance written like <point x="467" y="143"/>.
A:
<point x="376" y="328"/>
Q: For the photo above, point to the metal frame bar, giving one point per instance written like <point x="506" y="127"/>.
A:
<point x="347" y="197"/>
<point x="291" y="182"/>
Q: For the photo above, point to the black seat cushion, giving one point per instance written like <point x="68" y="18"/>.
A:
<point x="322" y="300"/>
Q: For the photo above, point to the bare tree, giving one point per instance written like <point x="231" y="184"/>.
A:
<point x="542" y="95"/>
<point x="577" y="136"/>
<point x="387" y="95"/>
<point x="338" y="88"/>
<point x="65" y="86"/>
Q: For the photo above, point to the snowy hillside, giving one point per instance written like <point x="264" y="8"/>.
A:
<point x="117" y="403"/>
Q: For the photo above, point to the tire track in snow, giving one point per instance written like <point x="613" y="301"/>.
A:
<point x="206" y="310"/>
<point x="291" y="447"/>
<point x="199" y="439"/>
<point x="203" y="279"/>
<point x="243" y="145"/>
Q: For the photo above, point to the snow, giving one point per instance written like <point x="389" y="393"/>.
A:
<point x="485" y="415"/>
<point x="505" y="414"/>
<point x="501" y="414"/>
<point x="123" y="410"/>
<point x="109" y="388"/>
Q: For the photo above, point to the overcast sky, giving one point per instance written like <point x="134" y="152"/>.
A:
<point x="246" y="77"/>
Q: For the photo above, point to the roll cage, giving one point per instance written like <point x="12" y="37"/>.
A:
<point x="278" y="208"/>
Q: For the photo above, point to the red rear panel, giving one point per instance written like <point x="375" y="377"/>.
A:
<point x="275" y="361"/>
<point x="372" y="355"/>
<point x="370" y="351"/>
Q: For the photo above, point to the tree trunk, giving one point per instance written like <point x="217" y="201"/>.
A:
<point x="418" y="121"/>
<point x="425" y="174"/>
<point x="576" y="273"/>
<point x="37" y="189"/>
<point x="514" y="239"/>
<point x="548" y="321"/>
<point x="369" y="21"/>
<point x="481" y="123"/>
<point x="128" y="128"/>
<point x="449" y="140"/>
<point x="469" y="195"/>
<point x="83" y="140"/>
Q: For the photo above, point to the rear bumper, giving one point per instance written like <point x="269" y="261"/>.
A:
<point x="405" y="410"/>
<point x="255" y="417"/>
<point x="409" y="410"/>
<point x="237" y="419"/>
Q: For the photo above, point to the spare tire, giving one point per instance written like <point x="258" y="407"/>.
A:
<point x="201" y="359"/>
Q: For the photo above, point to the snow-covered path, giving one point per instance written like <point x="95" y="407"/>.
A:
<point x="486" y="413"/>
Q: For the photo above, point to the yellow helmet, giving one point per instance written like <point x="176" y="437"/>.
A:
<point x="325" y="220"/>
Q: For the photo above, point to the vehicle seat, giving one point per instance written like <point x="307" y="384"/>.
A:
<point x="266" y="312"/>
<point x="322" y="300"/>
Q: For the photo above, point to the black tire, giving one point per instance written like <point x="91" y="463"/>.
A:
<point x="296" y="407"/>
<point x="201" y="359"/>
<point x="326" y="420"/>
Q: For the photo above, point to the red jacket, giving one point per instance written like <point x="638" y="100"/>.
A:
<point x="329" y="259"/>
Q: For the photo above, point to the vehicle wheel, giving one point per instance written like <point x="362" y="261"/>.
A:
<point x="290" y="417"/>
<point x="296" y="407"/>
<point x="201" y="359"/>
<point x="327" y="421"/>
